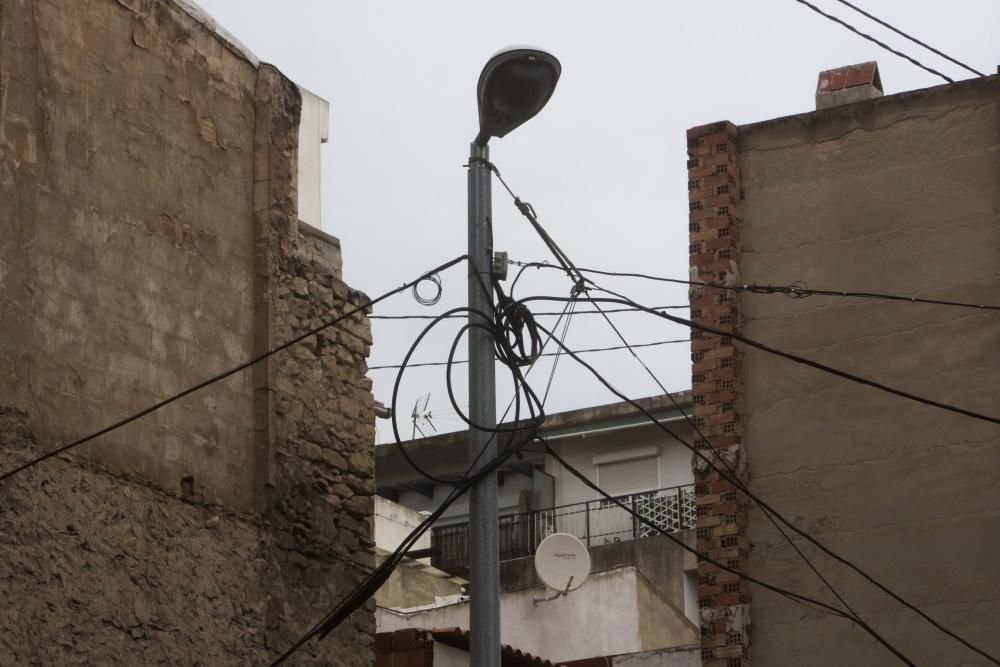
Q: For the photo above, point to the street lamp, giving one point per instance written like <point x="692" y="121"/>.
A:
<point x="514" y="86"/>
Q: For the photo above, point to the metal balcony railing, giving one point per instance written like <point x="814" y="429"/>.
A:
<point x="595" y="522"/>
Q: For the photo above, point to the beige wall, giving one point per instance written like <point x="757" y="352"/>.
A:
<point x="126" y="148"/>
<point x="149" y="238"/>
<point x="898" y="195"/>
<point x="614" y="612"/>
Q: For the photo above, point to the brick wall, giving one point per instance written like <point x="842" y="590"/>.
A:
<point x="714" y="232"/>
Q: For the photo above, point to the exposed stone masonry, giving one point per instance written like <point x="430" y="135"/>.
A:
<point x="714" y="197"/>
<point x="161" y="245"/>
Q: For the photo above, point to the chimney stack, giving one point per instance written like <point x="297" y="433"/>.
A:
<point x="844" y="85"/>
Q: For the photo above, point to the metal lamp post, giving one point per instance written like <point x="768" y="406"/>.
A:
<point x="514" y="86"/>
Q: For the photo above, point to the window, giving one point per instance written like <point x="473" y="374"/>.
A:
<point x="620" y="478"/>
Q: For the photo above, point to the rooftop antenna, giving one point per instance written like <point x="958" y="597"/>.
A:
<point x="562" y="562"/>
<point x="422" y="417"/>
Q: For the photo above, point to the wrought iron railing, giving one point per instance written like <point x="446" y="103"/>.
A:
<point x="595" y="522"/>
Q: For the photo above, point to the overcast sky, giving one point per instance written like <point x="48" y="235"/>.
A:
<point x="603" y="164"/>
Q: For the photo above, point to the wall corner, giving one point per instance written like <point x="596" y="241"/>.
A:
<point x="714" y="199"/>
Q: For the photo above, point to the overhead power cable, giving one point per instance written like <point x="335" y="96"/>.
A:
<point x="364" y="590"/>
<point x="555" y="362"/>
<point x="797" y="359"/>
<point x="910" y="37"/>
<point x="506" y="326"/>
<point x="645" y="520"/>
<point x="552" y="314"/>
<point x="794" y="291"/>
<point x="374" y="580"/>
<point x="872" y="39"/>
<point x="544" y="354"/>
<point x="694" y="426"/>
<point x="225" y="374"/>
<point x="580" y="286"/>
<point x="767" y="507"/>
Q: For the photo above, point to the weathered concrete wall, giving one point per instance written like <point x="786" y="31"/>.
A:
<point x="900" y="195"/>
<point x="127" y="160"/>
<point x="413" y="584"/>
<point x="687" y="656"/>
<point x="614" y="612"/>
<point x="657" y="558"/>
<point x="149" y="238"/>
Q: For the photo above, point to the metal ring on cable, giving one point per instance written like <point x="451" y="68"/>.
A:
<point x="435" y="280"/>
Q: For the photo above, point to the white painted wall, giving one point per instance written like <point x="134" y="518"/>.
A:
<point x="579" y="452"/>
<point x="688" y="656"/>
<point x="602" y="617"/>
<point x="314" y="130"/>
<point x="393" y="523"/>
<point x="449" y="656"/>
<point x="507" y="494"/>
<point x="691" y="608"/>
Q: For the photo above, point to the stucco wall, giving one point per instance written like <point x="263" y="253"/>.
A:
<point x="898" y="195"/>
<point x="579" y="451"/>
<point x="613" y="612"/>
<point x="125" y="231"/>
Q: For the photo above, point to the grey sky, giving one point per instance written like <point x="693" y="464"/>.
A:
<point x="604" y="163"/>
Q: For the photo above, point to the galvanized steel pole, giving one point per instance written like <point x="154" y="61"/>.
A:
<point x="484" y="539"/>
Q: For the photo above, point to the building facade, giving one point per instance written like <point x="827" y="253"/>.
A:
<point x="642" y="589"/>
<point x="897" y="194"/>
<point x="150" y="239"/>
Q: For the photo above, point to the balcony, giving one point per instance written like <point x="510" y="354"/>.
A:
<point x="595" y="522"/>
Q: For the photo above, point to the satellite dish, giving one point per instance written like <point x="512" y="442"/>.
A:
<point x="562" y="562"/>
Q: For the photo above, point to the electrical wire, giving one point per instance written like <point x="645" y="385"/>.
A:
<point x="505" y="327"/>
<point x="227" y="373"/>
<point x="794" y="291"/>
<point x="373" y="581"/>
<point x="378" y="576"/>
<point x="552" y="314"/>
<point x="797" y="597"/>
<point x="694" y="426"/>
<point x="796" y="358"/>
<point x="814" y="364"/>
<point x="612" y="348"/>
<point x="581" y="285"/>
<point x="528" y="212"/>
<point x="872" y="39"/>
<point x="760" y="502"/>
<point x="555" y="362"/>
<point x="910" y="37"/>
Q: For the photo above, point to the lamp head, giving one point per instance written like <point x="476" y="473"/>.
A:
<point x="514" y="86"/>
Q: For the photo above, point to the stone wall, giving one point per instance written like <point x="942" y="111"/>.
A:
<point x="100" y="568"/>
<point x="126" y="168"/>
<point x="150" y="239"/>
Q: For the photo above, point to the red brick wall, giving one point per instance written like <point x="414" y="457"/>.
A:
<point x="714" y="233"/>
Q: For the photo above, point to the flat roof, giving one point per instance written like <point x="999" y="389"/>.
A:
<point x="609" y="417"/>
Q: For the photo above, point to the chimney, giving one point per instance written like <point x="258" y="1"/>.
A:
<point x="848" y="84"/>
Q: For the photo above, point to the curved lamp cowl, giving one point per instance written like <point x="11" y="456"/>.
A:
<point x="513" y="87"/>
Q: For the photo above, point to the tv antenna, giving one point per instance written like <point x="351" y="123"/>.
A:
<point x="422" y="417"/>
<point x="562" y="562"/>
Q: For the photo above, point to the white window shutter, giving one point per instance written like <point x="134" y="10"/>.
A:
<point x="621" y="478"/>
